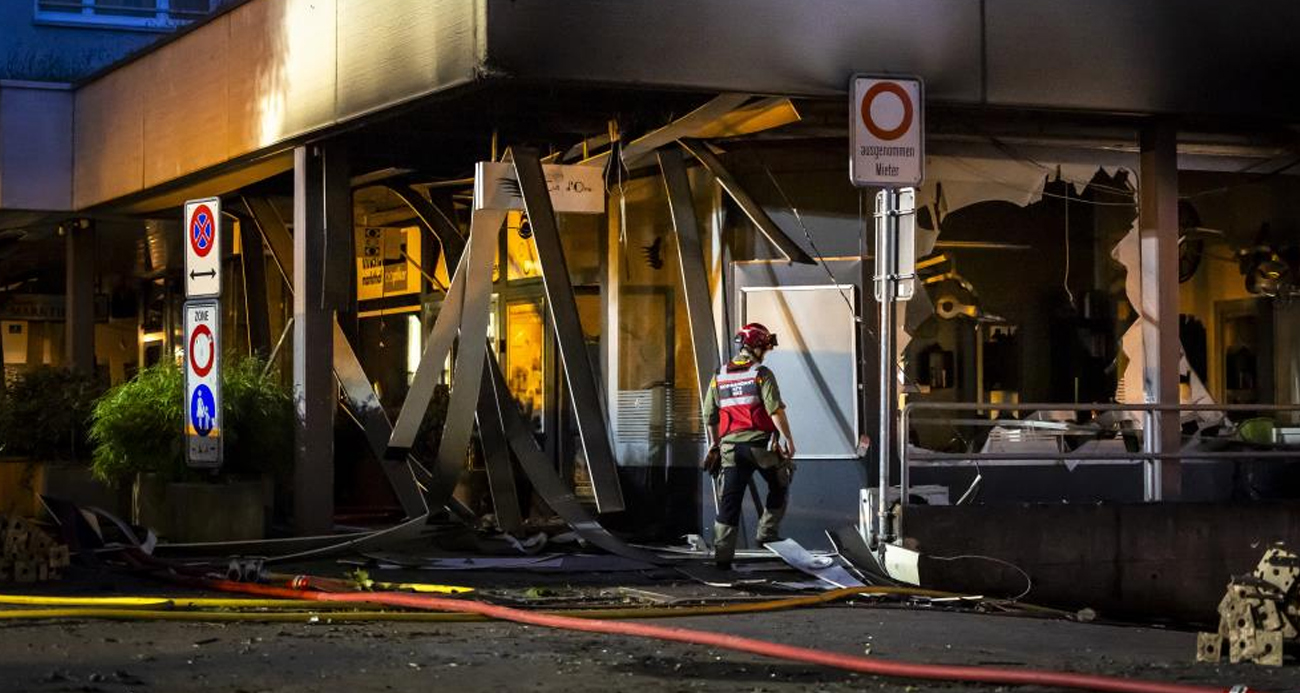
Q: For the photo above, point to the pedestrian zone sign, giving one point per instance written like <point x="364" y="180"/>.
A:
<point x="886" y="131"/>
<point x="203" y="416"/>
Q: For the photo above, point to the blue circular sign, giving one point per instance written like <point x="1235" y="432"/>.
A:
<point x="203" y="410"/>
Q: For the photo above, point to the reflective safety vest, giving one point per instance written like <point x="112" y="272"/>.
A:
<point x="740" y="400"/>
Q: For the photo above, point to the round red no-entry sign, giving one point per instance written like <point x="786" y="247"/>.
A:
<point x="202" y="336"/>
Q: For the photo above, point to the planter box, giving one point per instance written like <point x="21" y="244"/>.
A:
<point x="75" y="482"/>
<point x="19" y="480"/>
<point x="224" y="510"/>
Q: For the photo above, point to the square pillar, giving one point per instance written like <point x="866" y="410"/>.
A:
<point x="322" y="212"/>
<point x="79" y="297"/>
<point x="1162" y="350"/>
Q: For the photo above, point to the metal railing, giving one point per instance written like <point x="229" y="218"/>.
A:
<point x="1149" y="456"/>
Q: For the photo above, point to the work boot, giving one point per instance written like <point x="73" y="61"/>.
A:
<point x="724" y="545"/>
<point x="769" y="525"/>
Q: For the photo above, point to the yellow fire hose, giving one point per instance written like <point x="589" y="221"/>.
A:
<point x="182" y="608"/>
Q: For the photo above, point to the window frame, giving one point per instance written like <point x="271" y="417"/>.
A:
<point x="161" y="20"/>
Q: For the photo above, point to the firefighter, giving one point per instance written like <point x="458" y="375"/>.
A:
<point x="744" y="409"/>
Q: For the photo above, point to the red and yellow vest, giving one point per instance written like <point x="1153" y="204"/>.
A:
<point x="740" y="400"/>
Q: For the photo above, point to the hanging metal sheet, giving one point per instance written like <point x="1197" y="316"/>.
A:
<point x="467" y="374"/>
<point x="547" y="483"/>
<point x="690" y="256"/>
<point x="602" y="468"/>
<point x="747" y="204"/>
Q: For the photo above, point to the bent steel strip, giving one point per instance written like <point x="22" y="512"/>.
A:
<point x="547" y="483"/>
<point x="747" y="204"/>
<point x="578" y="372"/>
<point x="496" y="457"/>
<point x="361" y="400"/>
<point x="467" y="374"/>
<point x="428" y="372"/>
<point x="433" y="219"/>
<point x="690" y="256"/>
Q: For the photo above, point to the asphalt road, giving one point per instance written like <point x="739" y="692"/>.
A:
<point x="168" y="656"/>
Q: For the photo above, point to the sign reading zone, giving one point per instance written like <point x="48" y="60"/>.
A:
<point x="886" y="131"/>
<point x="203" y="416"/>
<point x="203" y="248"/>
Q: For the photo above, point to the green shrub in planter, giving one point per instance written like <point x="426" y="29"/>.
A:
<point x="45" y="414"/>
<point x="136" y="426"/>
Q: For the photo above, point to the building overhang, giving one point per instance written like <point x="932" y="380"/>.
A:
<point x="266" y="75"/>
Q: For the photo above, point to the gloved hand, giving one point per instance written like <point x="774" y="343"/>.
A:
<point x="712" y="462"/>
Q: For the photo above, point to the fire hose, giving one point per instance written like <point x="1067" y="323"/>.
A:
<point x="861" y="664"/>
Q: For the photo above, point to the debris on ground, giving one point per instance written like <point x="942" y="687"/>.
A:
<point x="28" y="553"/>
<point x="1256" y="614"/>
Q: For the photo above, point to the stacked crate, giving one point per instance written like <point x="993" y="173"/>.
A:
<point x="29" y="554"/>
<point x="1257" y="613"/>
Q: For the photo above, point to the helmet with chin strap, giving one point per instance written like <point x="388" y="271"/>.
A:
<point x="755" y="336"/>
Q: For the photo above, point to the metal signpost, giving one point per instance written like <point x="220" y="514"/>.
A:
<point x="202" y="405"/>
<point x="887" y="149"/>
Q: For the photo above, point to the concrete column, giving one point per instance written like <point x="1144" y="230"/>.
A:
<point x="1158" y="221"/>
<point x="79" y="297"/>
<point x="319" y="215"/>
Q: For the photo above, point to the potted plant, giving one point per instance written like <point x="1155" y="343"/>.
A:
<point x="44" y="419"/>
<point x="136" y="431"/>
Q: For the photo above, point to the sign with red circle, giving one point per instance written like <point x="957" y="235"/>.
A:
<point x="886" y="131"/>
<point x="202" y="336"/>
<point x="203" y="230"/>
<point x="869" y="118"/>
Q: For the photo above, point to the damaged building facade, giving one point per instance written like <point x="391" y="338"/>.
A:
<point x="1102" y="227"/>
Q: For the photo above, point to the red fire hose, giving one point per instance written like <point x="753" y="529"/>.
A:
<point x="865" y="665"/>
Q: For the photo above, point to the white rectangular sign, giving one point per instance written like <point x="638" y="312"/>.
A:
<point x="203" y="248"/>
<point x="886" y="131"/>
<point x="203" y="416"/>
<point x="574" y="189"/>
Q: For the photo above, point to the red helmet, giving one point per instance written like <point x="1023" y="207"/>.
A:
<point x="755" y="336"/>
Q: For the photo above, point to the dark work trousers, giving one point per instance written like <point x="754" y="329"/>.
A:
<point x="735" y="484"/>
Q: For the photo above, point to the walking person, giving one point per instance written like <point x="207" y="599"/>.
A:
<point x="744" y="408"/>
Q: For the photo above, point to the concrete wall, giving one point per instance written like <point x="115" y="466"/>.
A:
<point x="257" y="76"/>
<point x="1159" y="560"/>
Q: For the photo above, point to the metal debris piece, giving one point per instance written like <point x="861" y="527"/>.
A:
<point x="1209" y="647"/>
<point x="1279" y="567"/>
<point x="1256" y="613"/>
<point x="824" y="568"/>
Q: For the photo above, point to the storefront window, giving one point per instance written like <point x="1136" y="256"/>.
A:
<point x="525" y="358"/>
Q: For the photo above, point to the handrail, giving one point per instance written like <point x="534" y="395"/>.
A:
<point x="1149" y="456"/>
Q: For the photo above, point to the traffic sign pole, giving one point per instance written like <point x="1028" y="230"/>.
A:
<point x="887" y="149"/>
